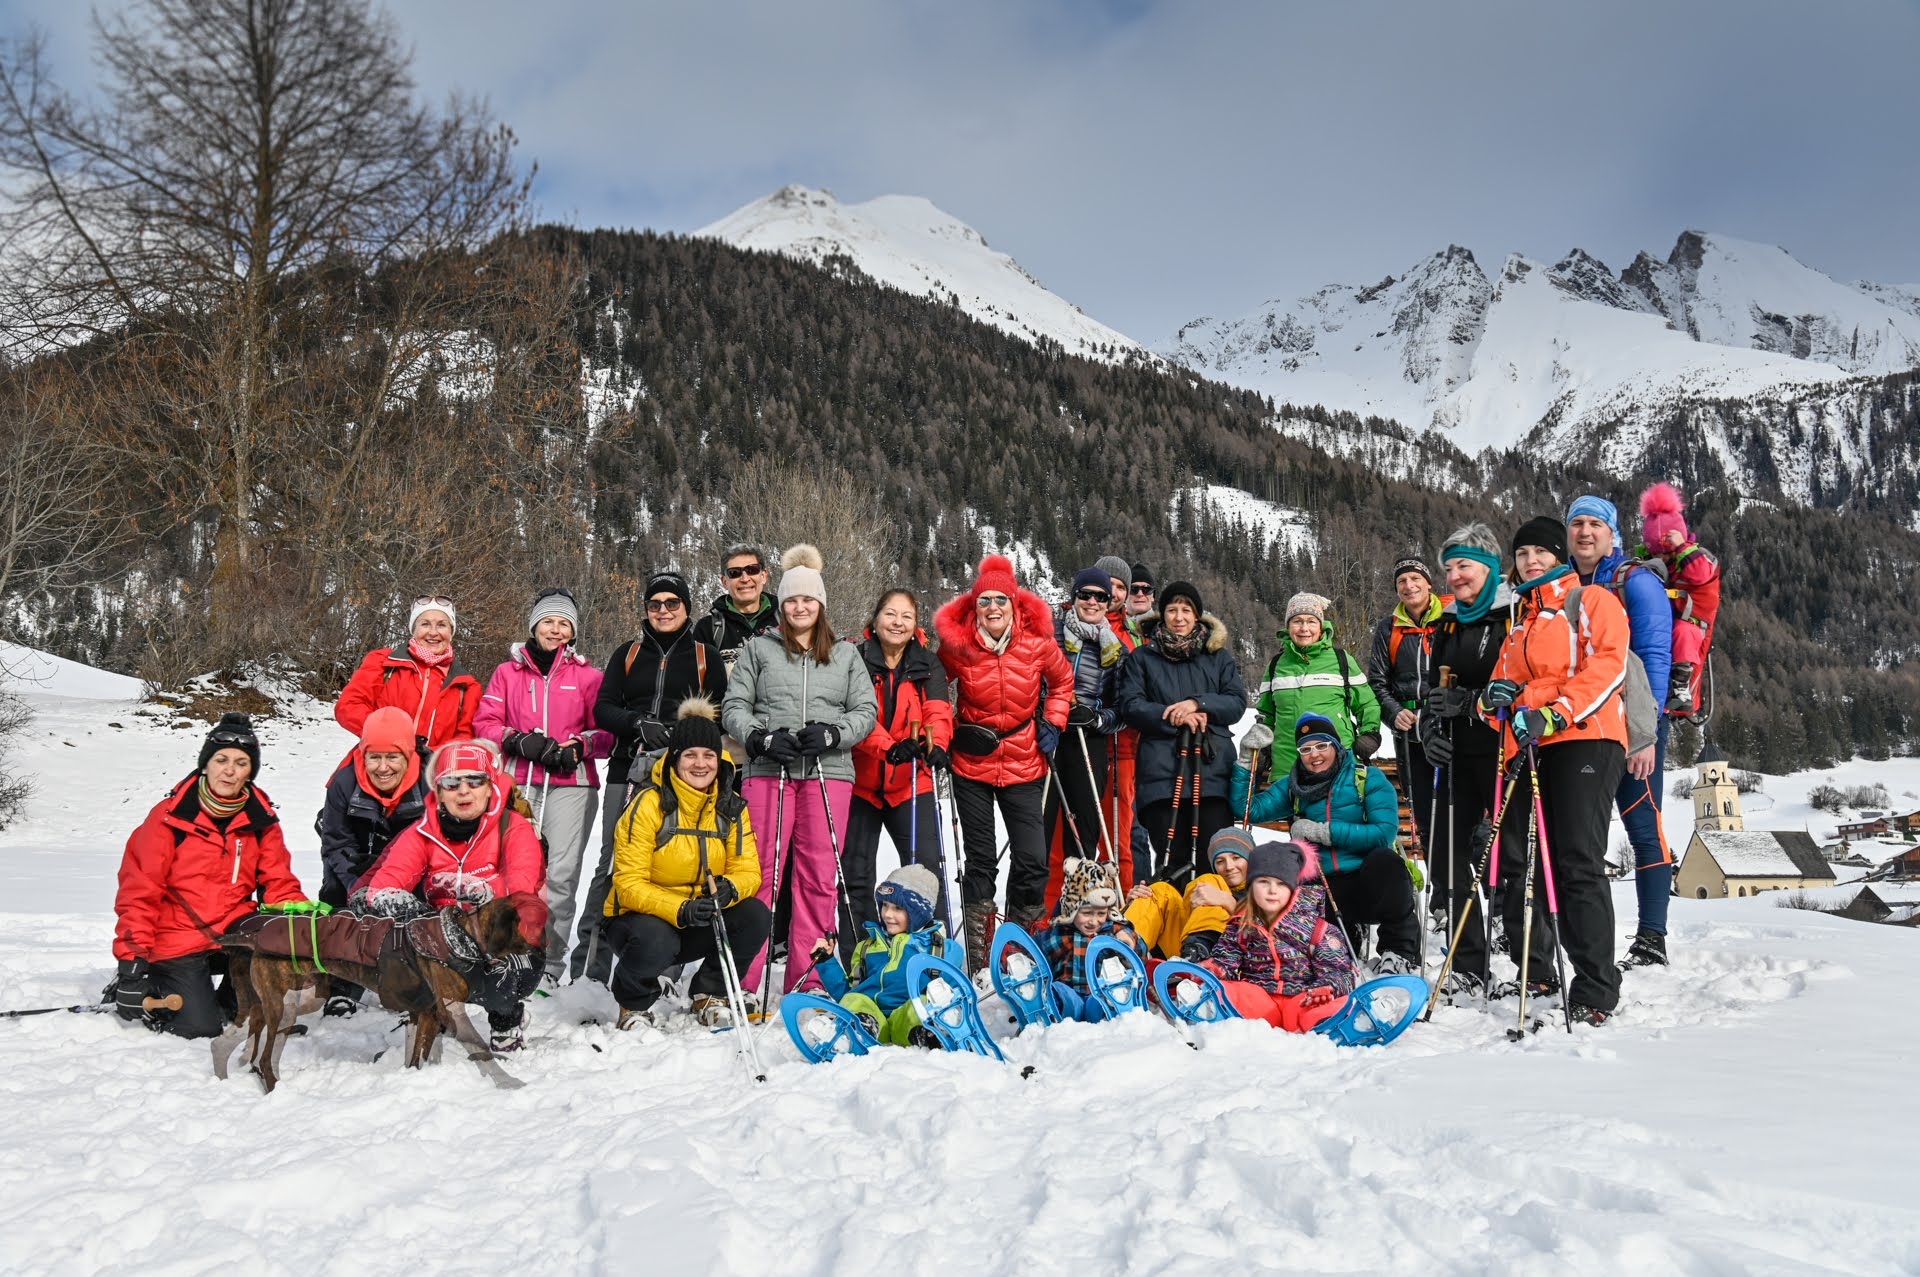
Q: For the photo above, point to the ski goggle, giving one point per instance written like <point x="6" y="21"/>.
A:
<point x="461" y="780"/>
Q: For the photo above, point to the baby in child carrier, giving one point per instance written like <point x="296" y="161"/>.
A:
<point x="874" y="983"/>
<point x="1089" y="907"/>
<point x="1693" y="583"/>
<point x="1280" y="960"/>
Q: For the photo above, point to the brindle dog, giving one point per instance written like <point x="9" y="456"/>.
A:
<point x="273" y="992"/>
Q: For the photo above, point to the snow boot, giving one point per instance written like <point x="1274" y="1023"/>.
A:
<point x="924" y="1038"/>
<point x="1386" y="963"/>
<point x="340" y="1005"/>
<point x="1649" y="949"/>
<point x="1680" y="701"/>
<point x="976" y="922"/>
<point x="711" y="1012"/>
<point x="1536" y="990"/>
<point x="631" y="1019"/>
<point x="1591" y="1016"/>
<point x="506" y="1034"/>
<point x="1461" y="989"/>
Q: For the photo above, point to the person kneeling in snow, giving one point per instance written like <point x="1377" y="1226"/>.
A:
<point x="684" y="855"/>
<point x="1280" y="959"/>
<point x="471" y="847"/>
<point x="1089" y="901"/>
<point x="874" y="984"/>
<point x="191" y="869"/>
<point x="1178" y="924"/>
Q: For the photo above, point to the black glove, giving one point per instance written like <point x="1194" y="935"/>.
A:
<point x="724" y="892"/>
<point x="531" y="746"/>
<point x="818" y="738"/>
<point x="698" y="912"/>
<point x="1366" y="745"/>
<point x="132" y="987"/>
<point x="1195" y="949"/>
<point x="1047" y="736"/>
<point x="1434" y="741"/>
<point x="939" y="759"/>
<point x="904" y="751"/>
<point x="1449" y="702"/>
<point x="1082" y="717"/>
<point x="780" y="746"/>
<point x="561" y="758"/>
<point x="1480" y="840"/>
<point x="652" y="734"/>
<point x="1500" y="693"/>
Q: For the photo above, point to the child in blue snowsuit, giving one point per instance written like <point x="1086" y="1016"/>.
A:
<point x="1089" y="907"/>
<point x="876" y="991"/>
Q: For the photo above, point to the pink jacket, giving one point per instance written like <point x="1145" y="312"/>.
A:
<point x="502" y="859"/>
<point x="519" y="698"/>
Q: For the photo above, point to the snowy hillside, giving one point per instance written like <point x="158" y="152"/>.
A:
<point x="1566" y="347"/>
<point x="1733" y="1119"/>
<point x="908" y="243"/>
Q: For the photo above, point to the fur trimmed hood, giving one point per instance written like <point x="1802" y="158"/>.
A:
<point x="1216" y="628"/>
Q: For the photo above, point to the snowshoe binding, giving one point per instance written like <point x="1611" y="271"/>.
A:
<point x="824" y="1030"/>
<point x="1377" y="1012"/>
<point x="1022" y="977"/>
<point x="946" y="1003"/>
<point x="1116" y="976"/>
<point x="1199" y="997"/>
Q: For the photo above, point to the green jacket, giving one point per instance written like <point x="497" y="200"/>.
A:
<point x="1321" y="679"/>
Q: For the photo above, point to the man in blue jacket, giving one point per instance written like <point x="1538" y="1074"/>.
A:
<point x="1593" y="538"/>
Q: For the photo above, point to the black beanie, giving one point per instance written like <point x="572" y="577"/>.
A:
<point x="670" y="583"/>
<point x="1141" y="575"/>
<point x="1545" y="531"/>
<point x="697" y="727"/>
<point x="1181" y="590"/>
<point x="233" y="731"/>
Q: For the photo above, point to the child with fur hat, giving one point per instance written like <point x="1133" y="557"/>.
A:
<point x="1281" y="960"/>
<point x="1089" y="907"/>
<point x="1693" y="582"/>
<point x="873" y="984"/>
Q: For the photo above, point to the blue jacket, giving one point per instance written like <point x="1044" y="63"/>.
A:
<point x="1649" y="620"/>
<point x="1358" y="826"/>
<point x="880" y="964"/>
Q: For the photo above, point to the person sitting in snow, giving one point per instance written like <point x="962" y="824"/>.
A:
<point x="1281" y="960"/>
<point x="1178" y="924"/>
<point x="1089" y="903"/>
<point x="874" y="983"/>
<point x="194" y="866"/>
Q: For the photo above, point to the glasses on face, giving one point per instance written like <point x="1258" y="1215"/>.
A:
<point x="745" y="569"/>
<point x="1093" y="596"/>
<point x="1315" y="746"/>
<point x="992" y="600"/>
<point x="433" y="600"/>
<point x="461" y="780"/>
<point x="1141" y="589"/>
<point x="663" y="605"/>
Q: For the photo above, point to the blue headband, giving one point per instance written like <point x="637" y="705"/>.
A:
<point x="1597" y="508"/>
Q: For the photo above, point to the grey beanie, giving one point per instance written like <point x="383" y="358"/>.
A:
<point x="554" y="602"/>
<point x="1115" y="567"/>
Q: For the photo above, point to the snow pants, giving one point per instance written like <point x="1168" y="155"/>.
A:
<point x="1639" y="802"/>
<point x="1281" y="1010"/>
<point x="203" y="1011"/>
<point x="1577" y="781"/>
<point x="1467" y="797"/>
<point x="646" y="946"/>
<point x="590" y="958"/>
<point x="1026" y="835"/>
<point x="915" y="830"/>
<point x="565" y="819"/>
<point x="1168" y="916"/>
<point x="1378" y="892"/>
<point x="894" y="1025"/>
<point x="801" y="856"/>
<point x="1178" y="860"/>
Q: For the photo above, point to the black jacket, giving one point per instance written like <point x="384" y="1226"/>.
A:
<point x="355" y="828"/>
<point x="1470" y="650"/>
<point x="638" y="704"/>
<point x="728" y="631"/>
<point x="1149" y="682"/>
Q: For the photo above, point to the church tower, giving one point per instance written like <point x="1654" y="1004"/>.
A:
<point x="1716" y="799"/>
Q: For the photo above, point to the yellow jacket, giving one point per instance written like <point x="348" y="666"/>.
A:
<point x="655" y="872"/>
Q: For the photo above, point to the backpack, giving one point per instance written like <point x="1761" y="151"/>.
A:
<point x="1637" y="691"/>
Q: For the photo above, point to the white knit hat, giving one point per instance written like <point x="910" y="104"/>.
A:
<point x="800" y="574"/>
<point x="432" y="604"/>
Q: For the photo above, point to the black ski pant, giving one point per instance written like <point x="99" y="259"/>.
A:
<point x="1176" y="861"/>
<point x="502" y="988"/>
<point x="645" y="946"/>
<point x="1577" y="784"/>
<point x="1026" y="836"/>
<point x="915" y="830"/>
<point x="1379" y="892"/>
<point x="204" y="1011"/>
<point x="1070" y="777"/>
<point x="1467" y="797"/>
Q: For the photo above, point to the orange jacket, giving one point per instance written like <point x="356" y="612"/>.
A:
<point x="1580" y="672"/>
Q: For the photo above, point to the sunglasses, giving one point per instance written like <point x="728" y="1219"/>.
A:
<point x="748" y="569"/>
<point x="1141" y="589"/>
<point x="1093" y="596"/>
<point x="664" y="605"/>
<point x="461" y="780"/>
<point x="992" y="600"/>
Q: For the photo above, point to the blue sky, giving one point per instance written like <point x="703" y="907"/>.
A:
<point x="1158" y="161"/>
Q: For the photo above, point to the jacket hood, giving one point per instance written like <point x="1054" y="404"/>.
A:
<point x="955" y="625"/>
<point x="1216" y="628"/>
<point x="917" y="662"/>
<point x="723" y="606"/>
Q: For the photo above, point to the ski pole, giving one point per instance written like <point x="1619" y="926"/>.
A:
<point x="1093" y="788"/>
<point x="1193" y="826"/>
<point x="913" y="797"/>
<point x="172" y="1002"/>
<point x="833" y="845"/>
<point x="1553" y="895"/>
<point x="1466" y="910"/>
<point x="749" y="1051"/>
<point x="1054" y="783"/>
<point x="773" y="901"/>
<point x="1519" y="1032"/>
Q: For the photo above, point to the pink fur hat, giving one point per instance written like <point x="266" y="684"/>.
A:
<point x="1663" y="520"/>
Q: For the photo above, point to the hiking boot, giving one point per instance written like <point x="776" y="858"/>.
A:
<point x="1536" y="989"/>
<point x="924" y="1038"/>
<point x="1461" y="989"/>
<point x="341" y="1005"/>
<point x="711" y="1012"/>
<point x="1594" y="1017"/>
<point x="631" y="1019"/>
<point x="869" y="1022"/>
<point x="1387" y="962"/>
<point x="1680" y="690"/>
<point x="976" y="922"/>
<point x="1649" y="949"/>
<point x="506" y="1032"/>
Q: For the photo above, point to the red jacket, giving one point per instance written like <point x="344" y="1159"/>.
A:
<point x="441" y="700"/>
<point x="183" y="881"/>
<point x="502" y="859"/>
<point x="1004" y="691"/>
<point x="912" y="696"/>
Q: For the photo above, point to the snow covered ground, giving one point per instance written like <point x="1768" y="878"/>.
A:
<point x="1742" y="1116"/>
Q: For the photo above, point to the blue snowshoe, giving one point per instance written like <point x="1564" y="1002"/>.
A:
<point x="1201" y="997"/>
<point x="1022" y="977"/>
<point x="945" y="1001"/>
<point x="827" y="1031"/>
<point x="1373" y="1015"/>
<point x="1116" y="976"/>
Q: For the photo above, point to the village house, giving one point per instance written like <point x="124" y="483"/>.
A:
<point x="1743" y="862"/>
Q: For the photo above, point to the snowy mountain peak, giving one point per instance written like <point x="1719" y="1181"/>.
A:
<point x="913" y="245"/>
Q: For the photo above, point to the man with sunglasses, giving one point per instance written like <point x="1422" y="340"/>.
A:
<point x="743" y="610"/>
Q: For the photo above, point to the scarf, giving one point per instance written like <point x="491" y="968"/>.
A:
<point x="1309" y="789"/>
<point x="1177" y="648"/>
<point x="218" y="808"/>
<point x="540" y="657"/>
<point x="1098" y="633"/>
<point x="996" y="646"/>
<point x="426" y="658"/>
<point x="458" y="830"/>
<point x="1483" y="602"/>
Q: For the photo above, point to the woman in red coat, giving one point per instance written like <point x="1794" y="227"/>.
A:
<point x="194" y="866"/>
<point x="420" y="676"/>
<point x="893" y="767"/>
<point x="1015" y="688"/>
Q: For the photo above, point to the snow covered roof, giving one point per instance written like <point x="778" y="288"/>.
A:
<point x="1769" y="853"/>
